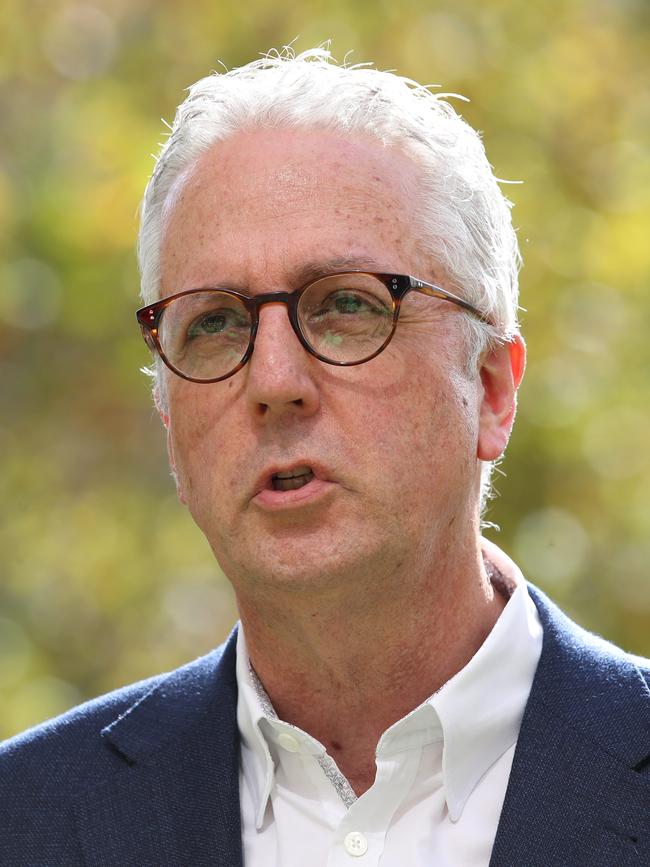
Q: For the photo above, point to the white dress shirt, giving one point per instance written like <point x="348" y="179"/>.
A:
<point x="442" y="770"/>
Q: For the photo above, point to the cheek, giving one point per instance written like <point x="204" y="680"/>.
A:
<point x="433" y="426"/>
<point x="197" y="445"/>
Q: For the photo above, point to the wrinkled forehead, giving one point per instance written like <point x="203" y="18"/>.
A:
<point x="245" y="186"/>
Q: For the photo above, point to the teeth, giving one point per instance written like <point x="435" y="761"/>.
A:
<point x="292" y="481"/>
<point x="292" y="474"/>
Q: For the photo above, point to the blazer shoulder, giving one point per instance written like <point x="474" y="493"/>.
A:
<point x="597" y="687"/>
<point x="587" y="648"/>
<point x="103" y="753"/>
<point x="64" y="754"/>
<point x="68" y="740"/>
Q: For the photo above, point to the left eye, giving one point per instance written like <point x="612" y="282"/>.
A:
<point x="346" y="303"/>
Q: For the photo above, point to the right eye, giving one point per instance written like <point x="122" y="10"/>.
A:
<point x="216" y="322"/>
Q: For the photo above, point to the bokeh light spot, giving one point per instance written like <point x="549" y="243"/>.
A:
<point x="551" y="546"/>
<point x="557" y="390"/>
<point x="80" y="42"/>
<point x="40" y="699"/>
<point x="591" y="316"/>
<point x="15" y="653"/>
<point x="30" y="294"/>
<point x="615" y="442"/>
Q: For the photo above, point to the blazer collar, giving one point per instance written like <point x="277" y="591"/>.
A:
<point x="178" y="702"/>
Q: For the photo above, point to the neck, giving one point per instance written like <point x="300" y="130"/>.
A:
<point x="345" y="665"/>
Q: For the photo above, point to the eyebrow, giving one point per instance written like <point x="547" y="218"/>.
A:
<point x="316" y="269"/>
<point x="310" y="271"/>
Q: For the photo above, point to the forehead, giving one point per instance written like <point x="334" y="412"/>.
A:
<point x="263" y="203"/>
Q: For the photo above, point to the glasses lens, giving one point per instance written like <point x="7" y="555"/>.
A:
<point x="205" y="334"/>
<point x="346" y="317"/>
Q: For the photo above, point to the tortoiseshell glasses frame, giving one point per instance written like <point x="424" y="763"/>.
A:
<point x="151" y="316"/>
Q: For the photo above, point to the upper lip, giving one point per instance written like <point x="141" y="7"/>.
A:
<point x="264" y="480"/>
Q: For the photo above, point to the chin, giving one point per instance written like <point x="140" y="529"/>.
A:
<point x="320" y="569"/>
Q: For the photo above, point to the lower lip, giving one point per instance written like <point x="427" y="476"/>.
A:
<point x="274" y="500"/>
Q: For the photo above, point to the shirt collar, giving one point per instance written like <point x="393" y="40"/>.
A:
<point x="479" y="710"/>
<point x="259" y="729"/>
<point x="253" y="706"/>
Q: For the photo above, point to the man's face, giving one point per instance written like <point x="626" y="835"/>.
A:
<point x="392" y="443"/>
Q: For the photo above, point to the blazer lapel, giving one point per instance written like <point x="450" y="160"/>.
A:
<point x="579" y="790"/>
<point x="174" y="797"/>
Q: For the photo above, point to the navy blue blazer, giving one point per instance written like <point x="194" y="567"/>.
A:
<point x="148" y="775"/>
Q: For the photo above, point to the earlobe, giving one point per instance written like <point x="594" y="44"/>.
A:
<point x="501" y="374"/>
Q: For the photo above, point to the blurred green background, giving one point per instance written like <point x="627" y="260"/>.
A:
<point x="104" y="578"/>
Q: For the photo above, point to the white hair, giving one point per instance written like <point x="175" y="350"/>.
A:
<point x="463" y="215"/>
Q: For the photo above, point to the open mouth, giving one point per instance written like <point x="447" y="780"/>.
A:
<point x="292" y="480"/>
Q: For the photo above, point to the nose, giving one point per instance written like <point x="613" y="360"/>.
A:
<point x="281" y="373"/>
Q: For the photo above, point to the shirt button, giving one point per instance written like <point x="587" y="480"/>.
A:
<point x="355" y="844"/>
<point x="288" y="742"/>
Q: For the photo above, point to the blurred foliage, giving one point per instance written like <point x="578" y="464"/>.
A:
<point x="104" y="577"/>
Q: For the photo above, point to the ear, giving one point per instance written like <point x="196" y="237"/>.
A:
<point x="164" y="417"/>
<point x="501" y="372"/>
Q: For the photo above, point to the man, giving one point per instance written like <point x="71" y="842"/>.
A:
<point x="329" y="274"/>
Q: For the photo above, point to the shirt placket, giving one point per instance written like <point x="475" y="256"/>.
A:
<point x="360" y="838"/>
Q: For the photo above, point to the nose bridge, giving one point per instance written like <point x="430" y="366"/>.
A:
<point x="271" y="298"/>
<point x="279" y="371"/>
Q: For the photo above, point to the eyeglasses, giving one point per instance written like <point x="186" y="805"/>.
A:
<point x="206" y="335"/>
